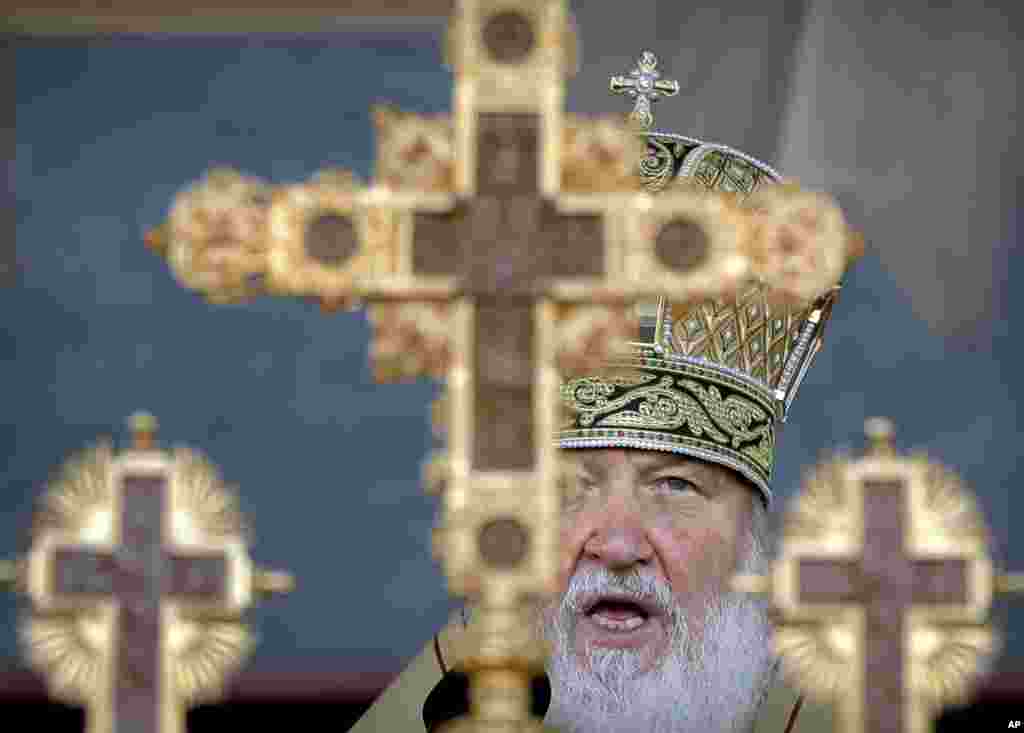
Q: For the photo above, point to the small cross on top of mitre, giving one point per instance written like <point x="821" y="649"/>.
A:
<point x="646" y="86"/>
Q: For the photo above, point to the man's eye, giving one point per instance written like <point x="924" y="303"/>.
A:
<point x="676" y="484"/>
<point x="573" y="488"/>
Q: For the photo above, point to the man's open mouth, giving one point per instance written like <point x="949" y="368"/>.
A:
<point x="618" y="613"/>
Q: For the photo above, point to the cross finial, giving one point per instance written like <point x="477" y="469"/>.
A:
<point x="143" y="426"/>
<point x="646" y="87"/>
<point x="879" y="432"/>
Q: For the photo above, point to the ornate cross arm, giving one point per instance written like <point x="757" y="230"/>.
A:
<point x="138" y="576"/>
<point x="882" y="589"/>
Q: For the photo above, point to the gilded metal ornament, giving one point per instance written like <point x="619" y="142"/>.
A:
<point x="590" y="335"/>
<point x="685" y="242"/>
<point x="216" y="241"/>
<point x="660" y="165"/>
<point x="646" y="86"/>
<point x="410" y="340"/>
<point x="326" y="235"/>
<point x="882" y="589"/>
<point x="598" y="157"/>
<point x="138" y="576"/>
<point x="801" y="244"/>
<point x="414" y="151"/>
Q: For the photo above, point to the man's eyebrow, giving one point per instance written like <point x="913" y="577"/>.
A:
<point x="592" y="468"/>
<point x="660" y="463"/>
<point x="645" y="466"/>
<point x="650" y="467"/>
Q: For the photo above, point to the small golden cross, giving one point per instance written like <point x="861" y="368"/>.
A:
<point x="646" y="86"/>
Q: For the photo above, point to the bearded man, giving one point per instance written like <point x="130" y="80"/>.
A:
<point x="671" y="450"/>
<point x="646" y="636"/>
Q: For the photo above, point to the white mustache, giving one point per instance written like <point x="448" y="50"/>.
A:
<point x="599" y="580"/>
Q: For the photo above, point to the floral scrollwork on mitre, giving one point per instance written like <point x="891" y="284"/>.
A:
<point x="734" y="413"/>
<point x="658" y="166"/>
<point x="649" y="402"/>
<point x="216" y="236"/>
<point x="590" y="393"/>
<point x="410" y="340"/>
<point x="746" y="422"/>
<point x="654" y="407"/>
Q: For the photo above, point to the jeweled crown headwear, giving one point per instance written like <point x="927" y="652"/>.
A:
<point x="709" y="380"/>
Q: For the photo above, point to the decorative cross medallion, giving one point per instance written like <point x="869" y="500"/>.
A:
<point x="883" y="587"/>
<point x="138" y="576"/>
<point x="646" y="86"/>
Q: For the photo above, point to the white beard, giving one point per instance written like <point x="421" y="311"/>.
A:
<point x="714" y="684"/>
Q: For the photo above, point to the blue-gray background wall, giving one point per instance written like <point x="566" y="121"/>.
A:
<point x="280" y="395"/>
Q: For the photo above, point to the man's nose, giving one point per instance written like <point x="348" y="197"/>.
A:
<point x="619" y="545"/>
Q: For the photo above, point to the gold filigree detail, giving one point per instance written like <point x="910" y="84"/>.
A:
<point x="800" y="244"/>
<point x="204" y="660"/>
<point x="70" y="647"/>
<point x="599" y="155"/>
<point x="414" y="151"/>
<point x="822" y="510"/>
<point x="67" y="650"/>
<point x="713" y="264"/>
<point x="669" y="405"/>
<point x="658" y="165"/>
<point x="589" y="334"/>
<point x="206" y="508"/>
<point x="217" y="235"/>
<point x="946" y="662"/>
<point x="77" y="499"/>
<point x="410" y="340"/>
<point x="748" y="332"/>
<point x="734" y="411"/>
<point x="332" y="193"/>
<point x="816" y="657"/>
<point x="950" y="510"/>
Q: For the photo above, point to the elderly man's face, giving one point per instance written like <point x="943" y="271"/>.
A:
<point x="664" y="516"/>
<point x="646" y="636"/>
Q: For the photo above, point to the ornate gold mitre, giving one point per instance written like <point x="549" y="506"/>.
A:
<point x="709" y="379"/>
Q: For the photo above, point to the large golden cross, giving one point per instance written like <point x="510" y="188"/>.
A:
<point x="138" y="575"/>
<point x="492" y="251"/>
